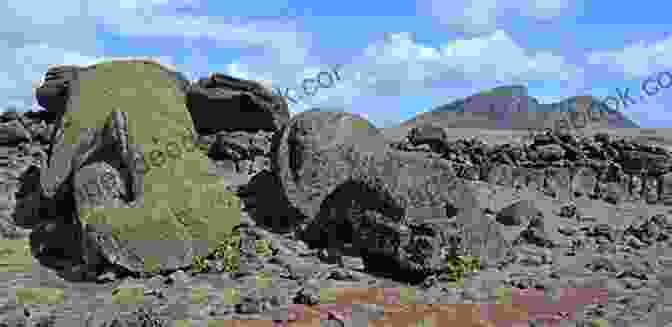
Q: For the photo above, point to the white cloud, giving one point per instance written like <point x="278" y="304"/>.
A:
<point x="269" y="34"/>
<point x="65" y="32"/>
<point x="399" y="66"/>
<point x="636" y="60"/>
<point x="478" y="17"/>
<point x="480" y="60"/>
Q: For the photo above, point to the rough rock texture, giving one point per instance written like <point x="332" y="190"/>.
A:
<point x="54" y="91"/>
<point x="189" y="224"/>
<point x="225" y="103"/>
<point x="518" y="214"/>
<point x="338" y="171"/>
<point x="306" y="157"/>
<point x="562" y="165"/>
<point x="427" y="134"/>
<point x="13" y="133"/>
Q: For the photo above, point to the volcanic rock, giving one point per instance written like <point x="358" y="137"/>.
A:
<point x="13" y="133"/>
<point x="53" y="93"/>
<point x="146" y="164"/>
<point x="338" y="171"/>
<point x="427" y="134"/>
<point x="225" y="103"/>
<point x="665" y="182"/>
<point x="551" y="152"/>
<point x="518" y="214"/>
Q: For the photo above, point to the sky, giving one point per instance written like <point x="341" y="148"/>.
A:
<point x="395" y="59"/>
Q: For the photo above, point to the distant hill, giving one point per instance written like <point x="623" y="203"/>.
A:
<point x="510" y="107"/>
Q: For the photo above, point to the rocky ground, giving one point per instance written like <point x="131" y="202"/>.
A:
<point x="591" y="261"/>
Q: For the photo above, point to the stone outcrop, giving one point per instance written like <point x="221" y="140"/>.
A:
<point x="563" y="166"/>
<point x="427" y="134"/>
<point x="54" y="91"/>
<point x="337" y="169"/>
<point x="95" y="147"/>
<point x="224" y="103"/>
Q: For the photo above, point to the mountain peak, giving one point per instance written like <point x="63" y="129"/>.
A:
<point x="510" y="107"/>
<point x="506" y="91"/>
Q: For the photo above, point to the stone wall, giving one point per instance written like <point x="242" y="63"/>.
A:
<point x="563" y="166"/>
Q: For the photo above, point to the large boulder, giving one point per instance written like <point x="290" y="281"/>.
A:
<point x="306" y="158"/>
<point x="53" y="93"/>
<point x="519" y="213"/>
<point x="225" y="103"/>
<point x="336" y="169"/>
<point x="167" y="198"/>
<point x="431" y="135"/>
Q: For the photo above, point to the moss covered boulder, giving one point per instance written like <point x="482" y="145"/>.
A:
<point x="131" y="116"/>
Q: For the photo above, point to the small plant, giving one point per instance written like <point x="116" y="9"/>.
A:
<point x="458" y="266"/>
<point x="599" y="323"/>
<point x="227" y="250"/>
<point x="200" y="264"/>
<point x="264" y="248"/>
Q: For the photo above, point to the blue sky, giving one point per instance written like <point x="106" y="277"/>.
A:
<point x="398" y="58"/>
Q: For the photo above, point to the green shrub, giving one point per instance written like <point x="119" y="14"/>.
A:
<point x="228" y="250"/>
<point x="458" y="266"/>
<point x="264" y="248"/>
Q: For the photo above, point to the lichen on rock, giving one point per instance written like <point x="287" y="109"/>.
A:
<point x="184" y="210"/>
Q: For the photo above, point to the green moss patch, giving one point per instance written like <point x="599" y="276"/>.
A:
<point x="264" y="279"/>
<point x="128" y="295"/>
<point x="15" y="256"/>
<point x="39" y="295"/>
<point x="199" y="295"/>
<point x="231" y="295"/>
<point x="182" y="201"/>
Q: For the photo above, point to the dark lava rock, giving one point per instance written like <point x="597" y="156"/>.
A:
<point x="427" y="134"/>
<point x="222" y="102"/>
<point x="13" y="133"/>
<point x="518" y="214"/>
<point x="53" y="93"/>
<point x="307" y="161"/>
